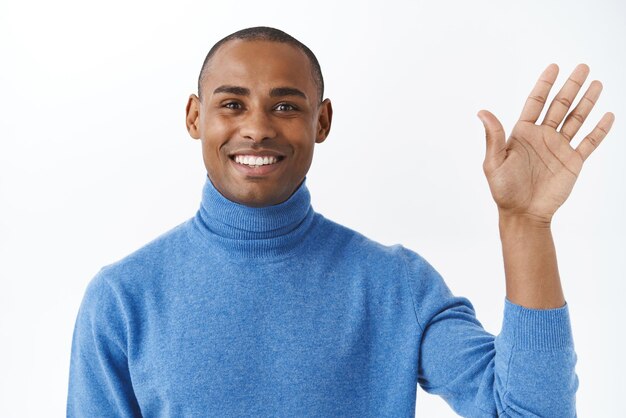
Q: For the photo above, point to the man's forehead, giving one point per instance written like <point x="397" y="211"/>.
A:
<point x="244" y="49"/>
<point x="257" y="61"/>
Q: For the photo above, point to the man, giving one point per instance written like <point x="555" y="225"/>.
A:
<point x="258" y="306"/>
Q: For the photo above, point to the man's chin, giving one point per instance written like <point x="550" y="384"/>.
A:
<point x="256" y="195"/>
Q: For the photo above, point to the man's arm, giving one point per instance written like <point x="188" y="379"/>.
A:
<point x="530" y="177"/>
<point x="528" y="369"/>
<point x="530" y="266"/>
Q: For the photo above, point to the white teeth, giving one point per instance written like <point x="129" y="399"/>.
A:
<point x="254" y="161"/>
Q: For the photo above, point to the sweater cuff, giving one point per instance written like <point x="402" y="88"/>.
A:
<point x="536" y="329"/>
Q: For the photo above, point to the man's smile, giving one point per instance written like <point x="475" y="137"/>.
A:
<point x="256" y="163"/>
<point x="253" y="160"/>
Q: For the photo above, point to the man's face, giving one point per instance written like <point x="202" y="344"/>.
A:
<point x="259" y="119"/>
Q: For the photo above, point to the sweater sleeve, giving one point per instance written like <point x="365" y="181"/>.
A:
<point x="99" y="382"/>
<point x="525" y="371"/>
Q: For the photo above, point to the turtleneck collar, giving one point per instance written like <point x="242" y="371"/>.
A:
<point x="256" y="232"/>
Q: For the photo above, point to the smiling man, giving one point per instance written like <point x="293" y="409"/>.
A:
<point x="259" y="306"/>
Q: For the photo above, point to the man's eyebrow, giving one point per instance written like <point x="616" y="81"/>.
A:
<point x="240" y="91"/>
<point x="286" y="91"/>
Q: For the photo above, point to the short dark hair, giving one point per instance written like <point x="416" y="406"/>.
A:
<point x="264" y="33"/>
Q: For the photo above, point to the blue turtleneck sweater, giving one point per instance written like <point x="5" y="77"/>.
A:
<point x="279" y="312"/>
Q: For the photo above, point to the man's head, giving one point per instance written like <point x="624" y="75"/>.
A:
<point x="259" y="113"/>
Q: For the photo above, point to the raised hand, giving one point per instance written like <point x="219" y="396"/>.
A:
<point x="533" y="172"/>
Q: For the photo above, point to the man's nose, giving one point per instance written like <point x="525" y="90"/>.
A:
<point x="257" y="126"/>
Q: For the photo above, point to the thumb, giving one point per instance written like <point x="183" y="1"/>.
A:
<point x="496" y="141"/>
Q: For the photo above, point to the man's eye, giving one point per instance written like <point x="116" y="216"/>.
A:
<point x="285" y="107"/>
<point x="233" y="106"/>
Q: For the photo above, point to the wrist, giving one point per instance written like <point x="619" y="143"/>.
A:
<point x="523" y="221"/>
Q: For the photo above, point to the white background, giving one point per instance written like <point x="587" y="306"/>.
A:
<point x="95" y="160"/>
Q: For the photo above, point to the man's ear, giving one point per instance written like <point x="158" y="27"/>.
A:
<point x="324" y="120"/>
<point x="192" y="118"/>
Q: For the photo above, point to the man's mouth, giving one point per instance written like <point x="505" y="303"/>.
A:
<point x="256" y="160"/>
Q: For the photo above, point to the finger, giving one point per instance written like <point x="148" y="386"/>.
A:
<point x="496" y="140"/>
<point x="575" y="119"/>
<point x="538" y="96"/>
<point x="593" y="140"/>
<point x="564" y="98"/>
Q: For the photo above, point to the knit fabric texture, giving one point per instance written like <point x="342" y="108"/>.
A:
<point x="280" y="312"/>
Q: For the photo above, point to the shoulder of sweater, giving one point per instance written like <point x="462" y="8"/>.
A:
<point x="149" y="256"/>
<point x="365" y="254"/>
<point x="353" y="240"/>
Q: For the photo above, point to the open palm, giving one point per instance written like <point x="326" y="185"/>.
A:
<point x="533" y="173"/>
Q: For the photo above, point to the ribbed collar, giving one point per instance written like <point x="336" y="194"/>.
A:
<point x="256" y="232"/>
